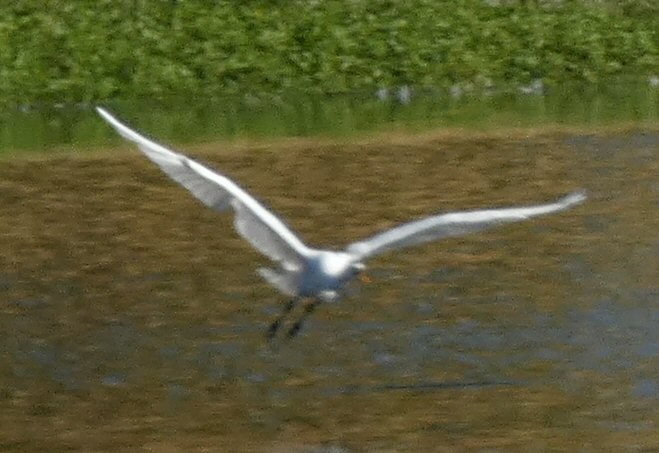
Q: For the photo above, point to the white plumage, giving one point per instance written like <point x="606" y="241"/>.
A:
<point x="304" y="271"/>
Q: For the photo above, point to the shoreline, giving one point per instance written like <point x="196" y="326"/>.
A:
<point x="397" y="136"/>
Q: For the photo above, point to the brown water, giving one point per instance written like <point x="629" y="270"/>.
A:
<point x="131" y="318"/>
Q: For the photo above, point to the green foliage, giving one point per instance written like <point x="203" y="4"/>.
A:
<point x="59" y="51"/>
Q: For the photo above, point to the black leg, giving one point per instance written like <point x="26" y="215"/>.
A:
<point x="308" y="309"/>
<point x="274" y="327"/>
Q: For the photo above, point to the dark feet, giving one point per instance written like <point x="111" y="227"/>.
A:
<point x="272" y="330"/>
<point x="276" y="324"/>
<point x="295" y="328"/>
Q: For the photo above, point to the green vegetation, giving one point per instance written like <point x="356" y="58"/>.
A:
<point x="58" y="51"/>
<point x="614" y="103"/>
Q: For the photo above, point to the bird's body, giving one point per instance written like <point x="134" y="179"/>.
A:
<point x="302" y="271"/>
<point x="326" y="273"/>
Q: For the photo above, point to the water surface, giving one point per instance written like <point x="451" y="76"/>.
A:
<point x="45" y="127"/>
<point x="132" y="317"/>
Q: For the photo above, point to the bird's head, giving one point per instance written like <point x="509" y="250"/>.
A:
<point x="341" y="266"/>
<point x="332" y="272"/>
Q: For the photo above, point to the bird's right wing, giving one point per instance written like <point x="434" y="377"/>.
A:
<point x="260" y="227"/>
<point x="453" y="224"/>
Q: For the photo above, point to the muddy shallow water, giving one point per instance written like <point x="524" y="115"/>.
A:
<point x="132" y="317"/>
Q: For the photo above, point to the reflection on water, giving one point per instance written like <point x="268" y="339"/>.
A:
<point x="132" y="317"/>
<point x="290" y="114"/>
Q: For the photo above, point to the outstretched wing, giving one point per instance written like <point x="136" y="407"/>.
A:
<point x="454" y="224"/>
<point x="260" y="227"/>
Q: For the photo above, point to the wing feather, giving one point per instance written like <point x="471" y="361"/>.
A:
<point x="267" y="233"/>
<point x="284" y="281"/>
<point x="454" y="224"/>
<point x="264" y="239"/>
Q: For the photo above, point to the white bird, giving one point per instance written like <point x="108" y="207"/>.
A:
<point x="304" y="272"/>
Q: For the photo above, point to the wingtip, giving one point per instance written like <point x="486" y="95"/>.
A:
<point x="576" y="197"/>
<point x="104" y="113"/>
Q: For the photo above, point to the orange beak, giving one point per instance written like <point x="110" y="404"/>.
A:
<point x="364" y="278"/>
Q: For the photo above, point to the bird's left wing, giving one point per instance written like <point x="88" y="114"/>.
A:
<point x="260" y="227"/>
<point x="454" y="224"/>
